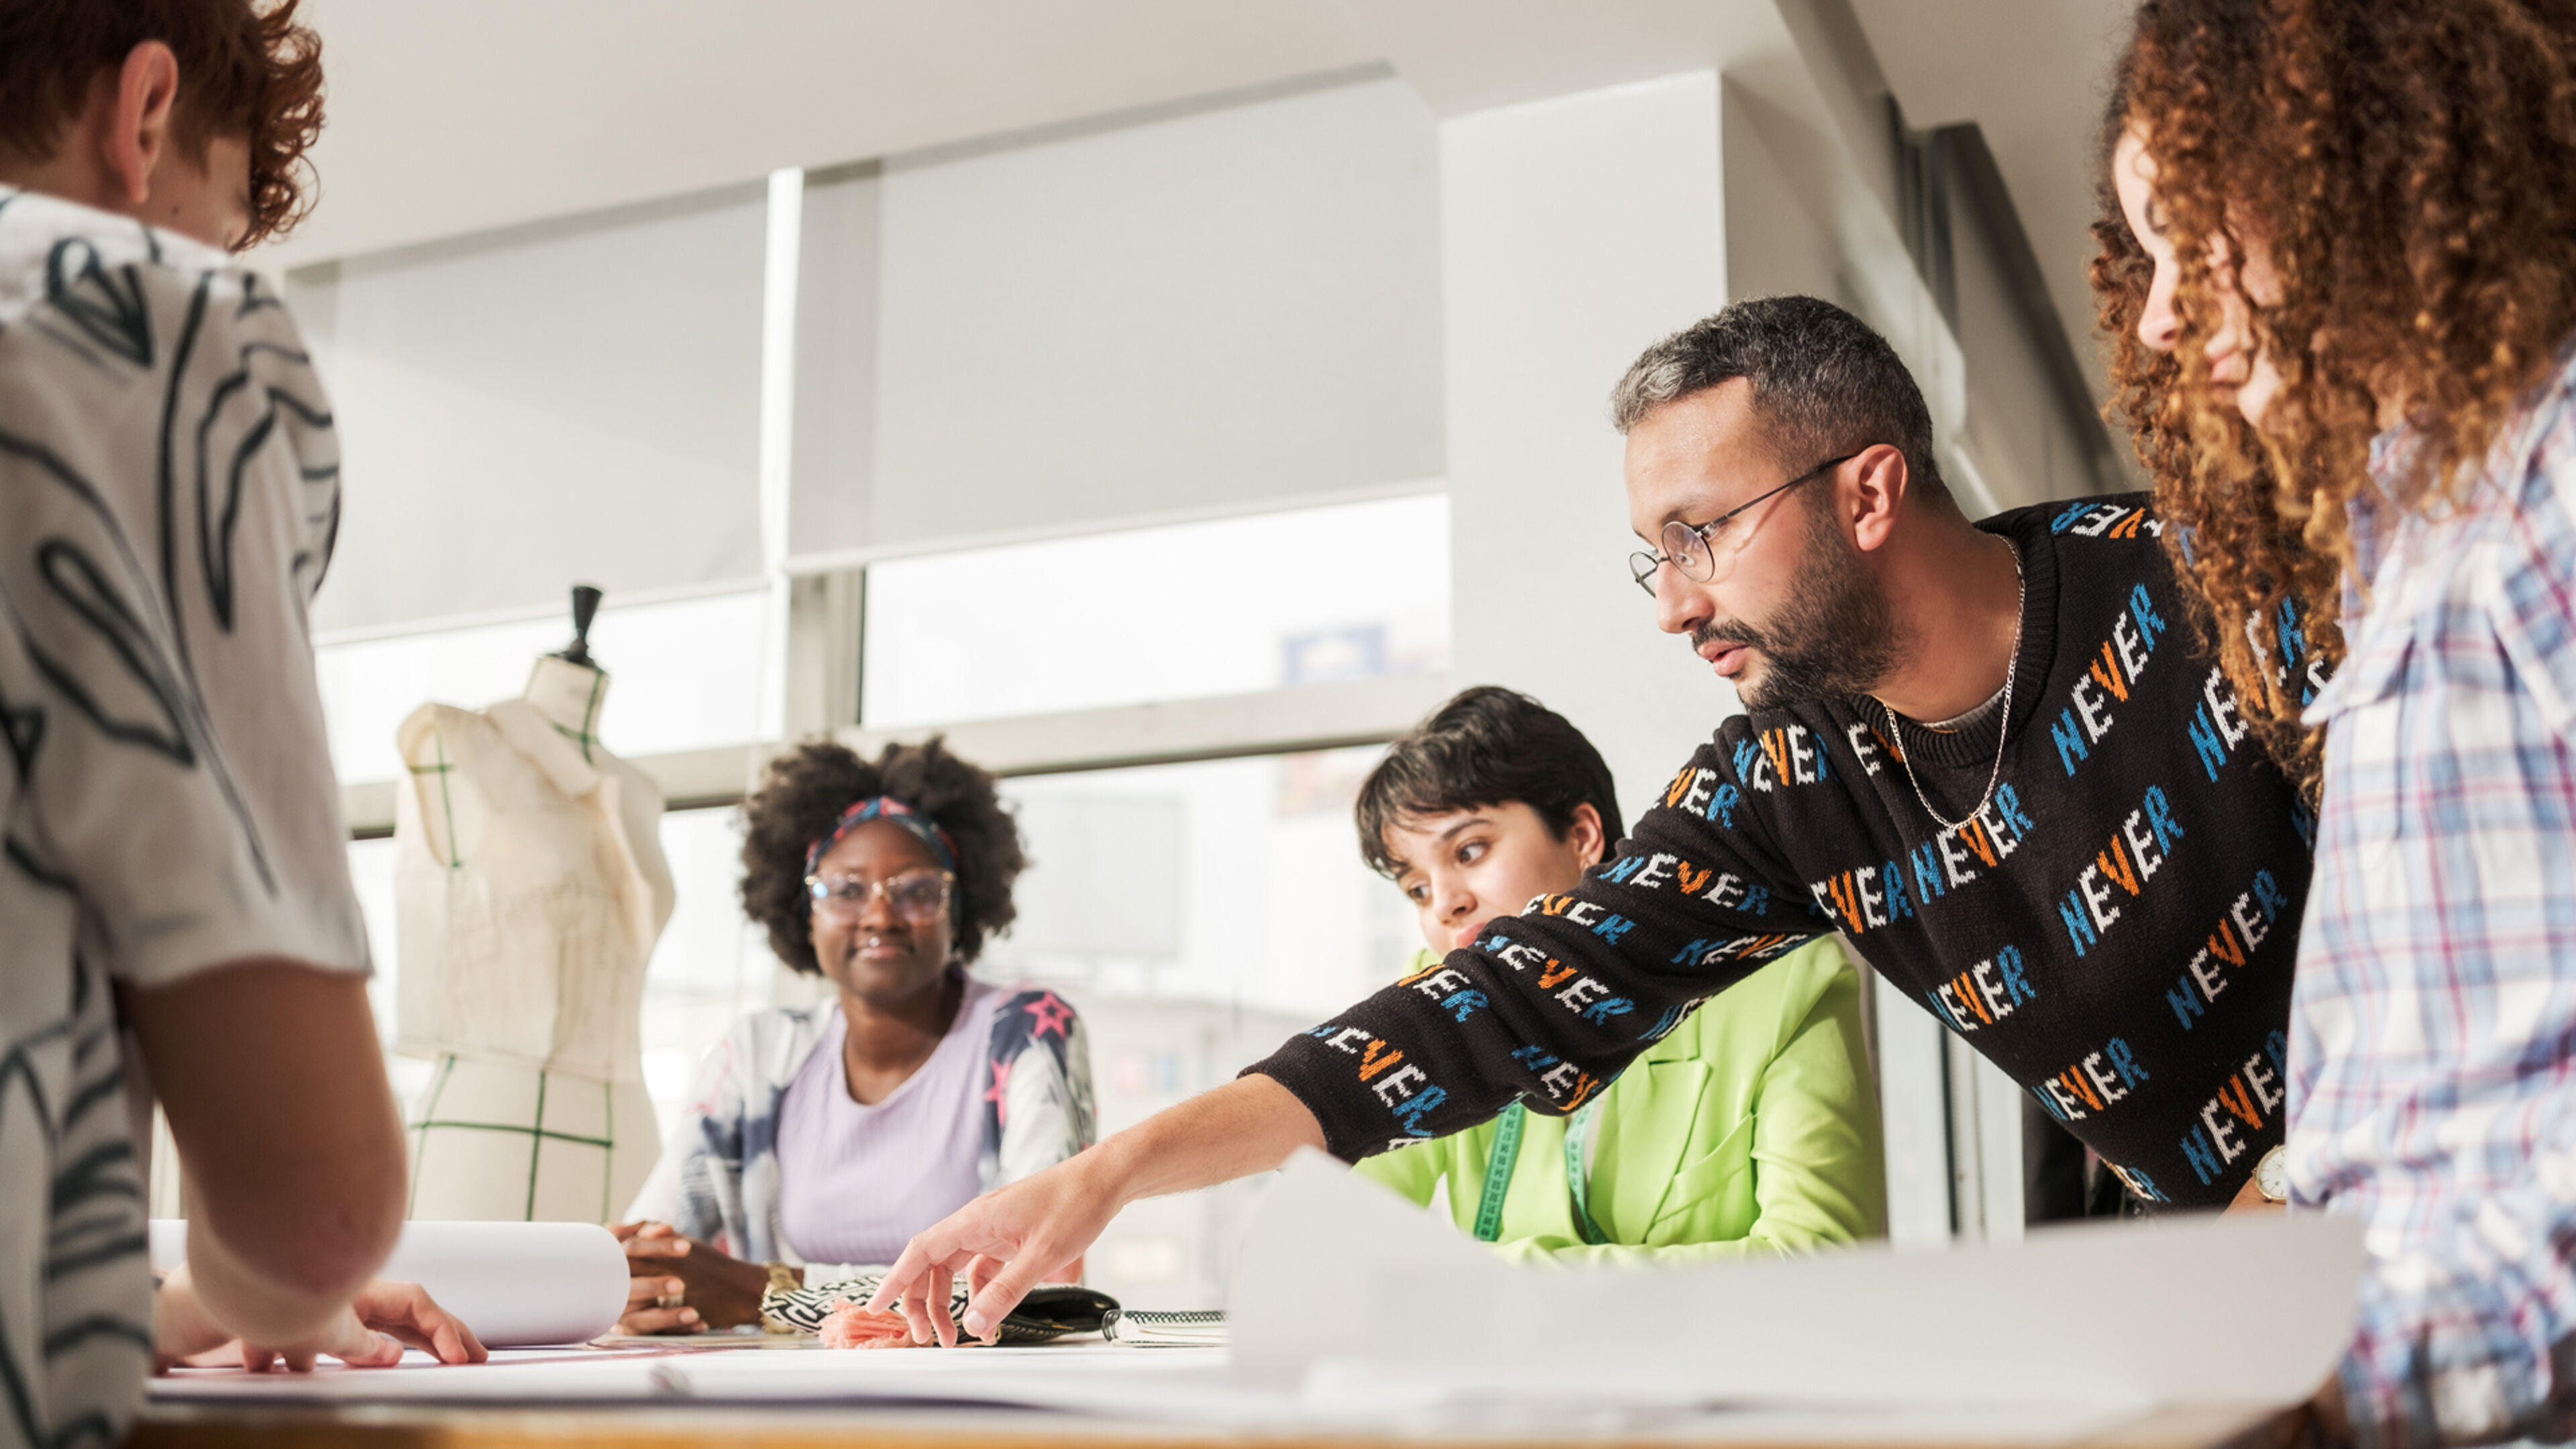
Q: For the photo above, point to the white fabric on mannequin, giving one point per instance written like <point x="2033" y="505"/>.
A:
<point x="529" y="889"/>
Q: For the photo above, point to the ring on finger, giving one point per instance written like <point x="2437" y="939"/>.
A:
<point x="670" y="1300"/>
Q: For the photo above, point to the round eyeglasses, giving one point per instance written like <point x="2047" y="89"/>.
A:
<point x="915" y="895"/>
<point x="1707" y="551"/>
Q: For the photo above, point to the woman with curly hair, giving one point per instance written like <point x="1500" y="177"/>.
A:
<point x="818" y="1139"/>
<point x="2347" y="301"/>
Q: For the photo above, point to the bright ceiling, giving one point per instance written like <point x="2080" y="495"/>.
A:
<point x="461" y="116"/>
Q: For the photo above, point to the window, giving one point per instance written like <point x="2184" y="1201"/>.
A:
<point x="711" y="965"/>
<point x="1182" y="611"/>
<point x="1197" y="915"/>
<point x="684" y="674"/>
<point x="1234" y="884"/>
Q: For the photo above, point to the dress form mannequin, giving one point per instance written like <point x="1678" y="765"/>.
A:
<point x="529" y="889"/>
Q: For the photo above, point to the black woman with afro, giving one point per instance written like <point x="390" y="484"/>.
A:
<point x="818" y="1140"/>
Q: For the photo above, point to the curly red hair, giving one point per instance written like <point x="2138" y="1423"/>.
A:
<point x="245" y="72"/>
<point x="2404" y="165"/>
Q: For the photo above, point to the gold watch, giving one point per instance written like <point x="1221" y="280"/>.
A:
<point x="783" y="1278"/>
<point x="2272" y="1175"/>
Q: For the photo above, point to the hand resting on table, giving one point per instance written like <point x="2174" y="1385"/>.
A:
<point x="714" y="1288"/>
<point x="370" y="1332"/>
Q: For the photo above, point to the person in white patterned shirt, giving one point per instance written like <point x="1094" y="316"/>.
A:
<point x="174" y="862"/>
<point x="2354" y="233"/>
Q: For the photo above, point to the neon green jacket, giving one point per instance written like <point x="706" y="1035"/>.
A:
<point x="1750" y="1130"/>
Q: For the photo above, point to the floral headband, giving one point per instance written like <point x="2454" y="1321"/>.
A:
<point x="887" y="808"/>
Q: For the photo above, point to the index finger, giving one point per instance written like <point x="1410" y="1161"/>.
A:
<point x="907" y="1286"/>
<point x="410" y="1314"/>
<point x="454" y="1342"/>
<point x="909" y="1266"/>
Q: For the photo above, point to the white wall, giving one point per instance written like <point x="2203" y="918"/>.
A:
<point x="2016" y="425"/>
<point x="1773" y="246"/>
<point x="832" y="467"/>
<point x="1575" y="232"/>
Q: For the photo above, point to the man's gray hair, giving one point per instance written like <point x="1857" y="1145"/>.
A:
<point x="1824" y="384"/>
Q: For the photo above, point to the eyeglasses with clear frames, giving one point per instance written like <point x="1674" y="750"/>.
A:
<point x="1694" y="548"/>
<point x="915" y="895"/>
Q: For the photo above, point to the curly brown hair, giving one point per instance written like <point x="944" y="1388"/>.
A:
<point x="2229" y="536"/>
<point x="245" y="72"/>
<point x="2404" y="165"/>
<point x="809" y="787"/>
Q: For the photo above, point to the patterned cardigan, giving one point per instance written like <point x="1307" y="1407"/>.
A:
<point x="718" y="1177"/>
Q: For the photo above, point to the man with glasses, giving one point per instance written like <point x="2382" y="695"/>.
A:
<point x="1994" y="755"/>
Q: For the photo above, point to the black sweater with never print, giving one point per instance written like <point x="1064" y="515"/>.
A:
<point x="2115" y="929"/>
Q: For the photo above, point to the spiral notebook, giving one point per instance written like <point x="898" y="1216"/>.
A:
<point x="1133" y="1328"/>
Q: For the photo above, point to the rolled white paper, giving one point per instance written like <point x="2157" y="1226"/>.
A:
<point x="517" y="1285"/>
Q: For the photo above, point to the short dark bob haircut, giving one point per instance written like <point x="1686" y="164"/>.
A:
<point x="1488" y="746"/>
<point x="807" y="790"/>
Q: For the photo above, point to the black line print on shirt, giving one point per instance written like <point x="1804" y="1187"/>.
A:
<point x="23" y="728"/>
<point x="255" y="297"/>
<point x="19" y="855"/>
<point x="107" y="307"/>
<point x="215" y="523"/>
<point x="319" y="560"/>
<point x="102" y="643"/>
<point x="101" y="1172"/>
<point x="18" y="1065"/>
<point x="80" y="583"/>
<point x="166" y="482"/>
<point x="67" y="340"/>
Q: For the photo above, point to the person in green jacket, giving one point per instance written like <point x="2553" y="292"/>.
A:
<point x="1749" y="1130"/>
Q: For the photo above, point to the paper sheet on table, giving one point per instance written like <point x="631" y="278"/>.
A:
<point x="1350" y="1294"/>
<point x="1189" y="1387"/>
<point x="1353" y="1310"/>
<point x="513" y="1283"/>
<point x="1177" y="1386"/>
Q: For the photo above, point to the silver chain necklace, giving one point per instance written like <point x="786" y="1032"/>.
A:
<point x="2003" y="725"/>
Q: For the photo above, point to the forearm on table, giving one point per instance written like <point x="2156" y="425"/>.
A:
<point x="255" y="1306"/>
<point x="275" y="1088"/>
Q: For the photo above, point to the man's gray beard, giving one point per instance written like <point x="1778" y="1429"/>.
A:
<point x="1835" y="637"/>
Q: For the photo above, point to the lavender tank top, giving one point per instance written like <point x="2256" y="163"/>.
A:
<point x="856" y="1182"/>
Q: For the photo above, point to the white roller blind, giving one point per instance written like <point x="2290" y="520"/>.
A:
<point x="1220" y="309"/>
<point x="572" y="401"/>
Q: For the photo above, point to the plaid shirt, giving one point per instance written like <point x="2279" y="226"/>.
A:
<point x="2433" y="1026"/>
